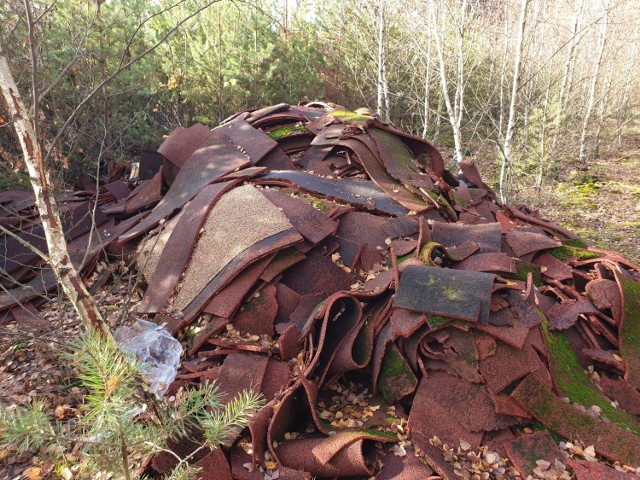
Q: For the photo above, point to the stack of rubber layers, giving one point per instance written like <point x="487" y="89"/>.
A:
<point x="330" y="262"/>
<point x="381" y="305"/>
<point x="90" y="230"/>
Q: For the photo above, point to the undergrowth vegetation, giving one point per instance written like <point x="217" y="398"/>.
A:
<point x="121" y="421"/>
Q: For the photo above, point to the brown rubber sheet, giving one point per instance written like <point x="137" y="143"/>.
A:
<point x="455" y="294"/>
<point x="202" y="168"/>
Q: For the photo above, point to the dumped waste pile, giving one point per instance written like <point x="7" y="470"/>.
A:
<point x="398" y="320"/>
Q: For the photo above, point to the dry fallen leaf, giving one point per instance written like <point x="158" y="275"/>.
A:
<point x="59" y="412"/>
<point x="33" y="473"/>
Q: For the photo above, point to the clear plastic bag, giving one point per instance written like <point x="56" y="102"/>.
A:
<point x="156" y="349"/>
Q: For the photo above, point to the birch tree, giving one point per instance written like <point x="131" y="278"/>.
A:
<point x="567" y="74"/>
<point x="28" y="135"/>
<point x="506" y="148"/>
<point x="597" y="65"/>
<point x="455" y="109"/>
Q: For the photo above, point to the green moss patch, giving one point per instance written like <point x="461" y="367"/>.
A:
<point x="396" y="377"/>
<point x="286" y="131"/>
<point x="566" y="252"/>
<point x="347" y="116"/>
<point x="630" y="331"/>
<point x="610" y="441"/>
<point x="318" y="204"/>
<point x="522" y="271"/>
<point x="574" y="383"/>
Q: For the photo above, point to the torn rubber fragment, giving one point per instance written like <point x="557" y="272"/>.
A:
<point x="451" y="293"/>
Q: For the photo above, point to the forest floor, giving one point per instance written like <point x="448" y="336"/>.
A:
<point x="601" y="201"/>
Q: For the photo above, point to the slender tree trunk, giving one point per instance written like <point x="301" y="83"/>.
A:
<point x="427" y="90"/>
<point x="542" y="158"/>
<point x="106" y="98"/>
<point x="602" y="40"/>
<point x="381" y="59"/>
<point x="602" y="111"/>
<point x="506" y="150"/>
<point x="503" y="72"/>
<point x="455" y="114"/>
<point x="439" y="116"/>
<point x="59" y="259"/>
<point x="567" y="74"/>
<point x="626" y="93"/>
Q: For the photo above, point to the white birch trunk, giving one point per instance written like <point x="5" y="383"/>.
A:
<point x="427" y="91"/>
<point x="506" y="151"/>
<point x="380" y="99"/>
<point x="455" y="114"/>
<point x="602" y="40"/>
<point x="59" y="259"/>
<point x="567" y="74"/>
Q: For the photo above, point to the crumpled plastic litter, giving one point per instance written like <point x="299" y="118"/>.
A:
<point x="155" y="348"/>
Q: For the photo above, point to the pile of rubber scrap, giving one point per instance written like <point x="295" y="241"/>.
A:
<point x="91" y="231"/>
<point x="396" y="318"/>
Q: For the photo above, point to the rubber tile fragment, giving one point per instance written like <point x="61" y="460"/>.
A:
<point x="610" y="441"/>
<point x="312" y="224"/>
<point x="317" y="275"/>
<point x="468" y="403"/>
<point x="253" y="142"/>
<point x="28" y="317"/>
<point x="407" y="467"/>
<point x="564" y="315"/>
<point x="297" y="407"/>
<point x="177" y="250"/>
<point x="361" y="193"/>
<point x="337" y="317"/>
<point x="340" y="455"/>
<point x="241" y="371"/>
<point x="203" y="167"/>
<point x="451" y="293"/>
<point x="182" y="142"/>
<point x="605" y="295"/>
<point x="524" y="242"/>
<point x="257" y="314"/>
<point x="470" y="171"/>
<point x="151" y="247"/>
<point x="214" y="465"/>
<point x="520" y="312"/>
<point x="488" y="235"/>
<point x="525" y="450"/>
<point x="396" y="380"/>
<point x="487" y="262"/>
<point x="584" y="470"/>
<point x="260" y="249"/>
<point x="620" y="391"/>
<point x="150" y="164"/>
<point x="507" y="365"/>
<point x="429" y="418"/>
<point x="554" y="268"/>
<point x="119" y="189"/>
<point x="228" y="299"/>
<point x="149" y="194"/>
<point x="241" y="218"/>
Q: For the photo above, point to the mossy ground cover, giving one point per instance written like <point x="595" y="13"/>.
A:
<point x="601" y="202"/>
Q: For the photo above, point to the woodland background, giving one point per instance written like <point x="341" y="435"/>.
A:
<point x="543" y="93"/>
